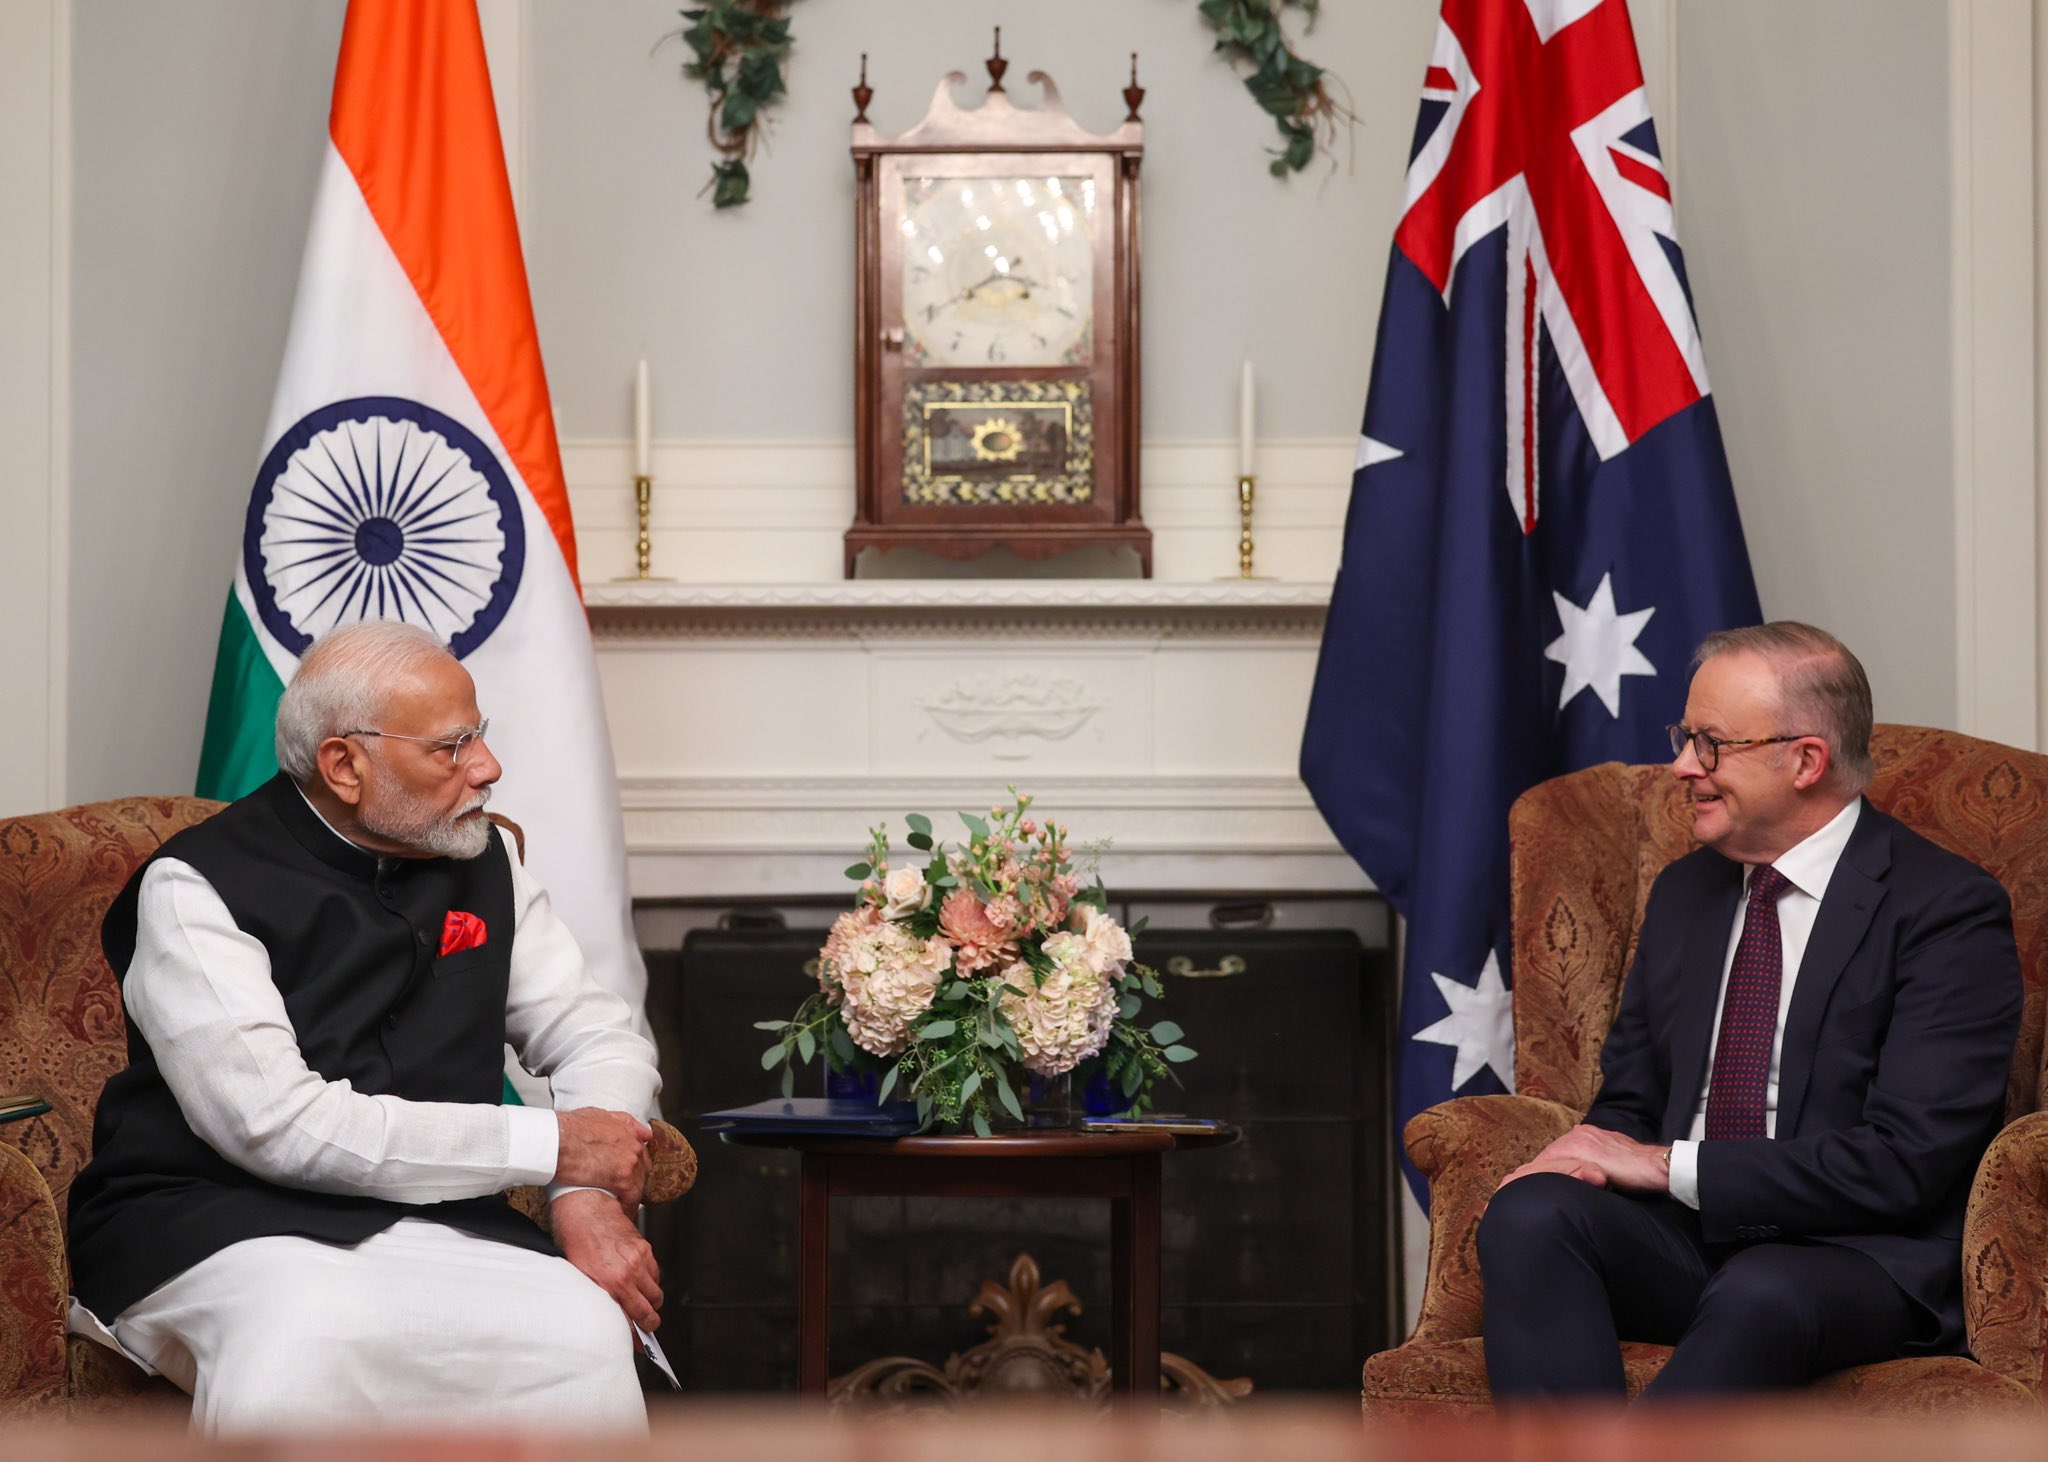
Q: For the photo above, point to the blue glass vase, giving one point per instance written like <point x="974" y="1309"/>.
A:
<point x="1099" y="1095"/>
<point x="853" y="1085"/>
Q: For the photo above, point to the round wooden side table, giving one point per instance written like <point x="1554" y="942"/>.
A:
<point x="1120" y="1166"/>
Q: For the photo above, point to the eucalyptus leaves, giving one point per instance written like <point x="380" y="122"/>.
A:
<point x="739" y="48"/>
<point x="962" y="973"/>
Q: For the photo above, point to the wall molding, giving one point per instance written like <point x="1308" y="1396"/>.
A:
<point x="35" y="400"/>
<point x="1999" y="564"/>
<point x="713" y="837"/>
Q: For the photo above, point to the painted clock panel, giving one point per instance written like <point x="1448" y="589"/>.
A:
<point x="998" y="271"/>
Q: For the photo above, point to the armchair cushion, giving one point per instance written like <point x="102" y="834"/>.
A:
<point x="1429" y="1378"/>
<point x="1465" y="1147"/>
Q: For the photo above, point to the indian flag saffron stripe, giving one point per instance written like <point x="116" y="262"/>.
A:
<point x="410" y="468"/>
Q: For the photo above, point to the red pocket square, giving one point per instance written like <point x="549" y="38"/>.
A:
<point x="460" y="931"/>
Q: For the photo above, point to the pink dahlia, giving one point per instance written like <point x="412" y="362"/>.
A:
<point x="978" y="940"/>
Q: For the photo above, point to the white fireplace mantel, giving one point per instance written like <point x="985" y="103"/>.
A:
<point x="761" y="729"/>
<point x="1251" y="595"/>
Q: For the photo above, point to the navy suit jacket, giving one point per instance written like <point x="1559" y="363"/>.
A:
<point x="1892" y="1072"/>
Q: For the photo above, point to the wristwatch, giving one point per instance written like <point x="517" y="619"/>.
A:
<point x="1666" y="1156"/>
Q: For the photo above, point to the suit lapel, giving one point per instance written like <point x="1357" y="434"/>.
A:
<point x="1699" y="988"/>
<point x="1854" y="893"/>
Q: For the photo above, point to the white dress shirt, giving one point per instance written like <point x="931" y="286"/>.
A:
<point x="1808" y="866"/>
<point x="199" y="991"/>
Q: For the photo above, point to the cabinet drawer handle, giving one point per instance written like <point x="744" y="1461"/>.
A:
<point x="1181" y="965"/>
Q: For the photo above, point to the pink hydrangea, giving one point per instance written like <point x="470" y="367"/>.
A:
<point x="885" y="978"/>
<point x="1064" y="1019"/>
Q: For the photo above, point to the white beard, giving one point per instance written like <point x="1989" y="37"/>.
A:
<point x="405" y="817"/>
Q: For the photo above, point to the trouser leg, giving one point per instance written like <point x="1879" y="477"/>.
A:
<point x="1778" y="1315"/>
<point x="418" y="1326"/>
<point x="1570" y="1268"/>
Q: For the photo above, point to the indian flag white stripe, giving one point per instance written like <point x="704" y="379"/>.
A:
<point x="376" y="506"/>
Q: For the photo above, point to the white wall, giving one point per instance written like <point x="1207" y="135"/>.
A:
<point x="196" y="132"/>
<point x="746" y="316"/>
<point x="1812" y="183"/>
<point x="34" y="123"/>
<point x="1813" y="187"/>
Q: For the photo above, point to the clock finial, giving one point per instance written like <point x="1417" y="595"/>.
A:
<point x="863" y="93"/>
<point x="1134" y="94"/>
<point x="996" y="64"/>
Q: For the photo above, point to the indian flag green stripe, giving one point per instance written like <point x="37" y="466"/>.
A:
<point x="239" y="753"/>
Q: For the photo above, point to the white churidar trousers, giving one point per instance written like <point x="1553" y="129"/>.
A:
<point x="419" y="1326"/>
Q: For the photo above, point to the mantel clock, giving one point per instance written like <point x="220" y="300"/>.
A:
<point x="996" y="329"/>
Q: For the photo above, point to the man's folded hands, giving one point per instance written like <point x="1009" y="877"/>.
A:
<point x="596" y="1236"/>
<point x="1603" y="1158"/>
<point x="601" y="1149"/>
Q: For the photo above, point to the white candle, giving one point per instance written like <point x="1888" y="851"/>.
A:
<point x="643" y="460"/>
<point x="1245" y="434"/>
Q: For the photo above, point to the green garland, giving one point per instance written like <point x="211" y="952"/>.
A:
<point x="739" y="48"/>
<point x="1295" y="93"/>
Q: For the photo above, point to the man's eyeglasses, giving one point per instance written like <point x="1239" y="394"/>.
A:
<point x="457" y="746"/>
<point x="1708" y="748"/>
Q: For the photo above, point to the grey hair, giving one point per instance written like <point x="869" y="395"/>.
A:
<point x="1821" y="686"/>
<point x="342" y="683"/>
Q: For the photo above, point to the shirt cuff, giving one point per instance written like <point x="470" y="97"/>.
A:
<point x="533" y="1145"/>
<point x="1685" y="1173"/>
<point x="557" y="1190"/>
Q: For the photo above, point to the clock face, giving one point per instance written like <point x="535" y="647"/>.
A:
<point x="998" y="271"/>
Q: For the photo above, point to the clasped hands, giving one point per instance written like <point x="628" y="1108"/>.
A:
<point x="608" y="1151"/>
<point x="1603" y="1158"/>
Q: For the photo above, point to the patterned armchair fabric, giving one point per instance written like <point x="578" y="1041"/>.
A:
<point x="61" y="1036"/>
<point x="1585" y="849"/>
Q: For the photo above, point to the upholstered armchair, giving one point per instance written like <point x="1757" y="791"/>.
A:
<point x="1585" y="849"/>
<point x="61" y="1036"/>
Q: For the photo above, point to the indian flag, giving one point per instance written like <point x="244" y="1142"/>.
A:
<point x="412" y="471"/>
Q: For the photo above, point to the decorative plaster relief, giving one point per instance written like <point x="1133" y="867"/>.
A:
<point x="1010" y="709"/>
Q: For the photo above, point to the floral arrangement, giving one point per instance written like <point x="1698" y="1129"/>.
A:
<point x="962" y="973"/>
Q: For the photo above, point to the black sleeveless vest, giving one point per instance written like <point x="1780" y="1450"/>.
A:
<point x="354" y="943"/>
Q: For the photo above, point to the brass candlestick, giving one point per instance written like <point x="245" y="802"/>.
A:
<point x="643" y="493"/>
<point x="1247" y="485"/>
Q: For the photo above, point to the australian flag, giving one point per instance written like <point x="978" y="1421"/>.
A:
<point x="1542" y="526"/>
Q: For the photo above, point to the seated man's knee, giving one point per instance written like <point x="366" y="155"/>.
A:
<point x="1758" y="1292"/>
<point x="1530" y="1215"/>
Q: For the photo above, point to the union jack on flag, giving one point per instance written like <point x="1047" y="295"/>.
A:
<point x="1542" y="526"/>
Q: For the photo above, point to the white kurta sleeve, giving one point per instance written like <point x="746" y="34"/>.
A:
<point x="199" y="990"/>
<point x="563" y="1024"/>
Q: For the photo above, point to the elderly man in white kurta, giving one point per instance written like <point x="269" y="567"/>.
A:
<point x="293" y="1209"/>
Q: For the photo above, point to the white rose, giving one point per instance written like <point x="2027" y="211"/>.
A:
<point x="1105" y="944"/>
<point x="904" y="892"/>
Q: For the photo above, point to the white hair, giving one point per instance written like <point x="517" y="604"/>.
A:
<point x="342" y="684"/>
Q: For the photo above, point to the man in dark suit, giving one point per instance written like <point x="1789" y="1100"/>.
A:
<point x="1809" y="1060"/>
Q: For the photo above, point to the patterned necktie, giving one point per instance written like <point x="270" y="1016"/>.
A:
<point x="1749" y="1017"/>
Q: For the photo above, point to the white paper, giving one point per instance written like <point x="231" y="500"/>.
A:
<point x="651" y="1348"/>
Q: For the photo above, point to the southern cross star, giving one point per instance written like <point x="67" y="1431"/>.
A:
<point x="1598" y="646"/>
<point x="1481" y="1025"/>
<point x="1371" y="453"/>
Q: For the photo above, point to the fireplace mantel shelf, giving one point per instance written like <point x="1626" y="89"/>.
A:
<point x="961" y="594"/>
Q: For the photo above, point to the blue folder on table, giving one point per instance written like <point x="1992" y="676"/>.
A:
<point x="827" y="1116"/>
